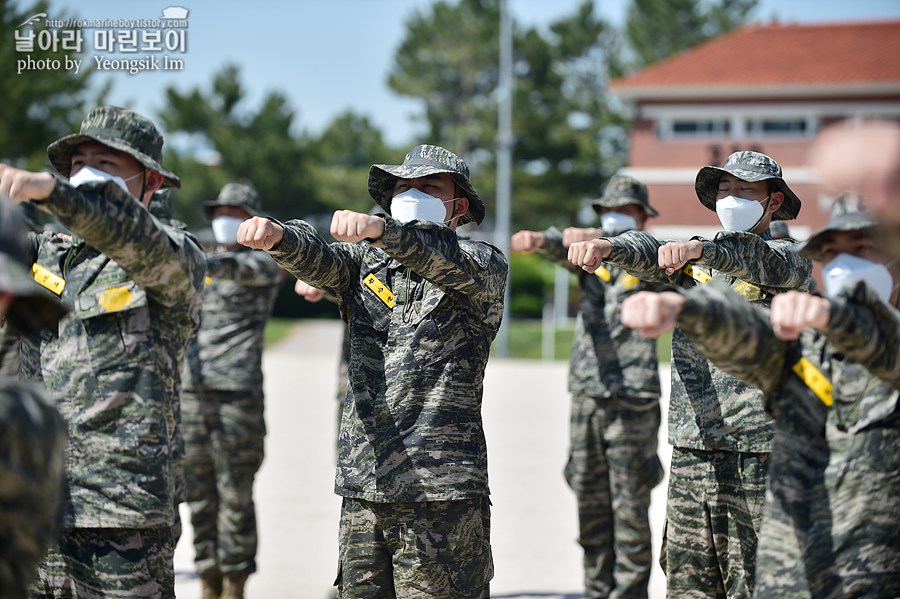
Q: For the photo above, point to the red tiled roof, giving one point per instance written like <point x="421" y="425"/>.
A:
<point x="851" y="54"/>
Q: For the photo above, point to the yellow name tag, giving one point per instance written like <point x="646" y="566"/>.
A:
<point x="814" y="379"/>
<point x="603" y="273"/>
<point x="629" y="282"/>
<point x="748" y="290"/>
<point x="380" y="290"/>
<point x="47" y="279"/>
<point x="697" y="274"/>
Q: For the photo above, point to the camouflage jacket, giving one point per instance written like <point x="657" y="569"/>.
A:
<point x="810" y="372"/>
<point x="422" y="314"/>
<point x="709" y="409"/>
<point x="608" y="358"/>
<point x="133" y="288"/>
<point x="226" y="353"/>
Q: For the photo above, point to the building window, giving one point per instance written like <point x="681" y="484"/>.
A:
<point x="778" y="126"/>
<point x="688" y="127"/>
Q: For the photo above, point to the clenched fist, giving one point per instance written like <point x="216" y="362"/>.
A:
<point x="527" y="241"/>
<point x="260" y="233"/>
<point x="589" y="254"/>
<point x="672" y="256"/>
<point x="308" y="292"/>
<point x="652" y="314"/>
<point x="356" y="226"/>
<point x="575" y="234"/>
<point x="793" y="311"/>
<point x="21" y="185"/>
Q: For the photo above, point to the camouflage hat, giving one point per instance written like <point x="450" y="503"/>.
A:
<point x="34" y="307"/>
<point x="623" y="191"/>
<point x="236" y="194"/>
<point x="121" y="130"/>
<point x="847" y="214"/>
<point x="420" y="162"/>
<point x="752" y="167"/>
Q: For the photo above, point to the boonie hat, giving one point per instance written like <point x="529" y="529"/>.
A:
<point x="236" y="194"/>
<point x="623" y="191"/>
<point x="34" y="307"/>
<point x="847" y="214"/>
<point x="422" y="161"/>
<point x="120" y="129"/>
<point x="752" y="167"/>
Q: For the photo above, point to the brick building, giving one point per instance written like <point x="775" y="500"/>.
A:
<point x="768" y="88"/>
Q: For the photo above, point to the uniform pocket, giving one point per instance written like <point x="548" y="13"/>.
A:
<point x="116" y="320"/>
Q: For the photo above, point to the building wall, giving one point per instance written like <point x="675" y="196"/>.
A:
<point x="667" y="159"/>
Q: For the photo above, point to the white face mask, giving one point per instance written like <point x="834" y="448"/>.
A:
<point x="225" y="229"/>
<point x="413" y="204"/>
<point x="738" y="214"/>
<point x="613" y="223"/>
<point x="846" y="270"/>
<point x="89" y="174"/>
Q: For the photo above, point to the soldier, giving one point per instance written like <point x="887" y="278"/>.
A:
<point x="132" y="284"/>
<point x="717" y="424"/>
<point x="614" y="381"/>
<point x="423" y="307"/>
<point x="830" y="524"/>
<point x="32" y="433"/>
<point x="222" y="402"/>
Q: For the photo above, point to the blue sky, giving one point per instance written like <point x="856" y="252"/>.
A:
<point x="329" y="56"/>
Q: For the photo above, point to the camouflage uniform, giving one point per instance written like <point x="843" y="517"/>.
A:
<point x="830" y="523"/>
<point x="132" y="284"/>
<point x="614" y="424"/>
<point x="32" y="432"/>
<point x="223" y="400"/>
<point x="720" y="433"/>
<point x="412" y="464"/>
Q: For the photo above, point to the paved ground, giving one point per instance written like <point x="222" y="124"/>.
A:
<point x="533" y="525"/>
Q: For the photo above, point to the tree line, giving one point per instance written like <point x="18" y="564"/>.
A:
<point x="570" y="134"/>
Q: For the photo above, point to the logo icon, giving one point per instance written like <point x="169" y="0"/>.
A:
<point x="34" y="19"/>
<point x="175" y="12"/>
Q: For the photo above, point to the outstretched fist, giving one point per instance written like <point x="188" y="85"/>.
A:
<point x="260" y="233"/>
<point x="652" y="314"/>
<point x="589" y="254"/>
<point x="794" y="311"/>
<point x="350" y="226"/>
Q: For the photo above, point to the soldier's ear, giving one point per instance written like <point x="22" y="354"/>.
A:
<point x="154" y="181"/>
<point x="775" y="201"/>
<point x="462" y="206"/>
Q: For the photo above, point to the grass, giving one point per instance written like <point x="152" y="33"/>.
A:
<point x="525" y="341"/>
<point x="277" y="329"/>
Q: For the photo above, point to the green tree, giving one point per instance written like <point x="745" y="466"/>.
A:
<point x="568" y="137"/>
<point x="657" y="29"/>
<point x="449" y="59"/>
<point x="254" y="146"/>
<point x="341" y="157"/>
<point x="39" y="104"/>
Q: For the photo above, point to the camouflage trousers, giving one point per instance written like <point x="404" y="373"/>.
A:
<point x="415" y="550"/>
<point x="108" y="563"/>
<point x="223" y="439"/>
<point x="612" y="467"/>
<point x="713" y="517"/>
<point x="832" y="520"/>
